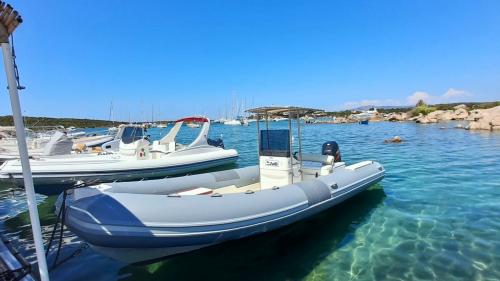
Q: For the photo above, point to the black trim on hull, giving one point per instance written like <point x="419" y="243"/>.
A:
<point x="122" y="172"/>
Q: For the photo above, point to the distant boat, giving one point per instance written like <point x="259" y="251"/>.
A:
<point x="367" y="114"/>
<point x="232" y="122"/>
<point x="364" y="122"/>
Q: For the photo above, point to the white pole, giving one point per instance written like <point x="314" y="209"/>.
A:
<point x="23" y="153"/>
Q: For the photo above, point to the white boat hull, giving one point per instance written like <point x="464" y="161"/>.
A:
<point x="100" y="168"/>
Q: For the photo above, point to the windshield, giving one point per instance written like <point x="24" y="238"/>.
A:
<point x="275" y="143"/>
<point x="131" y="134"/>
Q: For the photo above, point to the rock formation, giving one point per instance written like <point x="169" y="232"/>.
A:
<point x="484" y="119"/>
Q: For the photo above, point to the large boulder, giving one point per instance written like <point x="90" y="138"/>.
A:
<point x="485" y="119"/>
<point x="460" y="106"/>
<point x="426" y="120"/>
<point x="441" y="115"/>
<point x="475" y="115"/>
<point x="479" y="125"/>
<point x="495" y="121"/>
<point x="397" y="116"/>
<point x="460" y="114"/>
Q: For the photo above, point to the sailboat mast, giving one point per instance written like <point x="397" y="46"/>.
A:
<point x="111" y="113"/>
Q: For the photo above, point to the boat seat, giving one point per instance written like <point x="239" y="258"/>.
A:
<point x="163" y="148"/>
<point x="313" y="164"/>
<point x="318" y="158"/>
<point x="320" y="170"/>
<point x="138" y="149"/>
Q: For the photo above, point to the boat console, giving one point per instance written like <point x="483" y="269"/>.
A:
<point x="274" y="158"/>
<point x="278" y="166"/>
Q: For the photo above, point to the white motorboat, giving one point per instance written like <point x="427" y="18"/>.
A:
<point x="232" y="122"/>
<point x="135" y="159"/>
<point x="187" y="213"/>
<point x="36" y="141"/>
<point x="366" y="114"/>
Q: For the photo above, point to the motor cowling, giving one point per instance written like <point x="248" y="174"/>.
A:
<point x="216" y="142"/>
<point x="331" y="148"/>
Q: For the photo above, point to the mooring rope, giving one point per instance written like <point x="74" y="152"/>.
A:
<point x="16" y="70"/>
<point x="61" y="217"/>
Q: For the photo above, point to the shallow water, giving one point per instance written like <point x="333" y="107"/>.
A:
<point x="436" y="215"/>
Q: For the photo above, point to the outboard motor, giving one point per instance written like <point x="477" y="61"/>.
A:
<point x="331" y="148"/>
<point x="217" y="142"/>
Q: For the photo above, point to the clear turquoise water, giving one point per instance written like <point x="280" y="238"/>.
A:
<point x="436" y="216"/>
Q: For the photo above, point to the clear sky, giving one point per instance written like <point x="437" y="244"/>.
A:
<point x="193" y="57"/>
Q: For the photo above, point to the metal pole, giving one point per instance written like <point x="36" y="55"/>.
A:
<point x="267" y="129"/>
<point x="290" y="135"/>
<point x="23" y="153"/>
<point x="258" y="145"/>
<point x="258" y="136"/>
<point x="300" y="144"/>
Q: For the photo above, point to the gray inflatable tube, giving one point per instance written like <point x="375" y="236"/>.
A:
<point x="134" y="225"/>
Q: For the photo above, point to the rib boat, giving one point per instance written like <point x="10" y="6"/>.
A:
<point x="146" y="220"/>
<point x="136" y="159"/>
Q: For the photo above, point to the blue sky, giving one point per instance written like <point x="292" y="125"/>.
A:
<point x="193" y="57"/>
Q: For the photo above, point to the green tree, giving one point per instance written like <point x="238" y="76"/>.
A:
<point x="420" y="102"/>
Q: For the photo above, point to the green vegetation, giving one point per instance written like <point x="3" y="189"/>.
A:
<point x="66" y="122"/>
<point x="344" y="113"/>
<point x="391" y="110"/>
<point x="422" y="108"/>
<point x="470" y="105"/>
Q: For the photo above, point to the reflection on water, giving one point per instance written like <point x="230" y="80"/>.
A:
<point x="288" y="253"/>
<point x="434" y="216"/>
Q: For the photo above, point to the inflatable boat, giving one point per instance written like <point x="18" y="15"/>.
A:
<point x="136" y="159"/>
<point x="146" y="220"/>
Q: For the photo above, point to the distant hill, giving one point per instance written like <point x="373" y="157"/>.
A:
<point x="66" y="122"/>
<point x="367" y="107"/>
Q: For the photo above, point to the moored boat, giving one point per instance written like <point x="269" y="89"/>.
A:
<point x="191" y="212"/>
<point x="135" y="159"/>
<point x="232" y="122"/>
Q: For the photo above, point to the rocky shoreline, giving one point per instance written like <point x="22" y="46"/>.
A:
<point x="479" y="119"/>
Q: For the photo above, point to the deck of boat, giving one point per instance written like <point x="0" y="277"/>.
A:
<point x="234" y="189"/>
